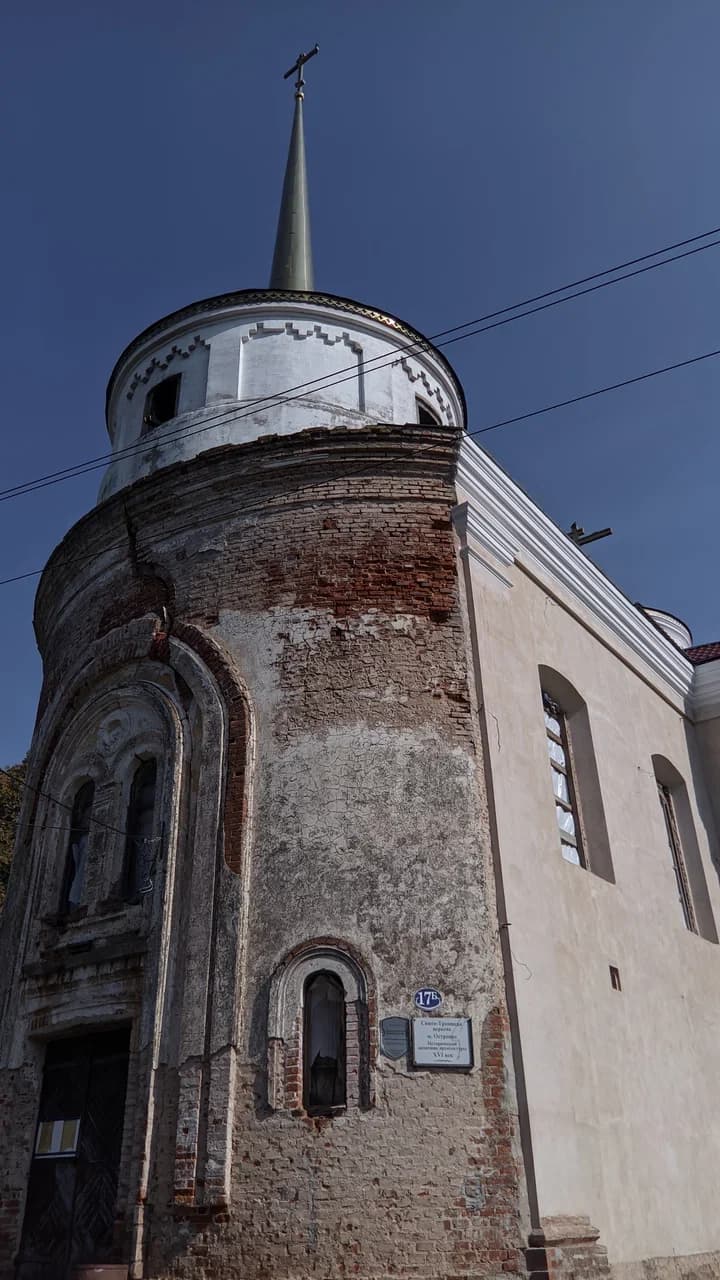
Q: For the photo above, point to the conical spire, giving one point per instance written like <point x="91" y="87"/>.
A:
<point x="292" y="261"/>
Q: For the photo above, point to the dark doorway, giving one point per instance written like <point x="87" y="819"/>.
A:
<point x="72" y="1190"/>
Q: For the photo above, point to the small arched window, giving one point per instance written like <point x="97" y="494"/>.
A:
<point x="321" y="1031"/>
<point x="161" y="402"/>
<point x="76" y="861"/>
<point x="324" y="1042"/>
<point x="425" y="415"/>
<point x="139" y="848"/>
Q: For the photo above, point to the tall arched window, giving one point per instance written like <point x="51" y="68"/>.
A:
<point x="76" y="860"/>
<point x="690" y="882"/>
<point x="139" y="848"/>
<point x="576" y="790"/>
<point x="324" y="1042"/>
<point x="563" y="782"/>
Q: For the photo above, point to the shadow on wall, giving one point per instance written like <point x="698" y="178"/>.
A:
<point x="703" y="745"/>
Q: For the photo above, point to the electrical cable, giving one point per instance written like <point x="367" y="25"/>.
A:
<point x="599" y="391"/>
<point x="84" y="468"/>
<point x="272" y="400"/>
<point x="588" y="395"/>
<point x="19" y="782"/>
<point x="179" y="529"/>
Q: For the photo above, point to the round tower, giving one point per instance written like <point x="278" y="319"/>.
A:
<point x="253" y="1006"/>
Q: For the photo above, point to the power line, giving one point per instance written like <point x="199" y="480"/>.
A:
<point x="477" y="431"/>
<point x="600" y="391"/>
<point x="98" y="462"/>
<point x="474" y="327"/>
<point x="248" y="507"/>
<point x="18" y="782"/>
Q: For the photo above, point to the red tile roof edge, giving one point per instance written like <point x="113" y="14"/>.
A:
<point x="700" y="653"/>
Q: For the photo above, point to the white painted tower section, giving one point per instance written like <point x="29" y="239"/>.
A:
<point x="677" y="630"/>
<point x="260" y="364"/>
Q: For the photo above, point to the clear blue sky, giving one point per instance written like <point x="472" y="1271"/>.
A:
<point x="462" y="155"/>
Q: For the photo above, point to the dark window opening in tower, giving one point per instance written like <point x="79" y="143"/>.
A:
<point x="140" y="846"/>
<point x="161" y="402"/>
<point x="324" y="1041"/>
<point x="425" y="415"/>
<point x="76" y="861"/>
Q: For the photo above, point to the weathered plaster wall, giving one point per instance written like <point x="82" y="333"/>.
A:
<point x="316" y="577"/>
<point x="621" y="1086"/>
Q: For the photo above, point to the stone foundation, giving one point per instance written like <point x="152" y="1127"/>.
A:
<point x="690" y="1266"/>
<point x="567" y="1248"/>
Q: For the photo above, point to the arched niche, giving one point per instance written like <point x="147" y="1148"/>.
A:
<point x="287" y="1058"/>
<point x="126" y="698"/>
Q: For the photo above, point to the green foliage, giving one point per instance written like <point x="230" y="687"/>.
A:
<point x="11" y="794"/>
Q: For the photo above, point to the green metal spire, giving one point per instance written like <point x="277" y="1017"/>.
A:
<point x="292" y="261"/>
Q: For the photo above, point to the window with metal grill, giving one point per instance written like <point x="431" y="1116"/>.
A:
<point x="563" y="783"/>
<point x="678" y="860"/>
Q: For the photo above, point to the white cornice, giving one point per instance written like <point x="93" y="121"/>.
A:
<point x="706" y="691"/>
<point x="505" y="520"/>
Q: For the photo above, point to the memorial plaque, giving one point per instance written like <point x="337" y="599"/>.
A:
<point x="394" y="1037"/>
<point x="442" y="1042"/>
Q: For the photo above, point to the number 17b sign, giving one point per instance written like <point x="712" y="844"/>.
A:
<point x="428" y="998"/>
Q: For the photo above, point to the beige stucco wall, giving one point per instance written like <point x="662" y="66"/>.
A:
<point x="622" y="1087"/>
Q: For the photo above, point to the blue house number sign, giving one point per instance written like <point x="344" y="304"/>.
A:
<point x="428" y="998"/>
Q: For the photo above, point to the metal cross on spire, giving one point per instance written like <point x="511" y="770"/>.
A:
<point x="292" y="260"/>
<point x="302" y="59"/>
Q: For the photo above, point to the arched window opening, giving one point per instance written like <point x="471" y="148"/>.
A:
<point x="426" y="416"/>
<point x="563" y="782"/>
<point x="76" y="860"/>
<point x="139" y="847"/>
<point x="579" y="808"/>
<point x="677" y="857"/>
<point x="685" y="856"/>
<point x="161" y="402"/>
<point x="324" y="1041"/>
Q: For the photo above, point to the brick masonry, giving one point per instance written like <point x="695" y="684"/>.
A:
<point x="314" y="580"/>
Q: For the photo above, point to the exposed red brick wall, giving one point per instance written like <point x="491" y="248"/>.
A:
<point x="350" y="525"/>
<point x="421" y="1194"/>
<point x="322" y="568"/>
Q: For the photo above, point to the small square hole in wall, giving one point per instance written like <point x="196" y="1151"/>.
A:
<point x="615" y="982"/>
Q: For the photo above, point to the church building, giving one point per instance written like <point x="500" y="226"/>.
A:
<point x="363" y="919"/>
